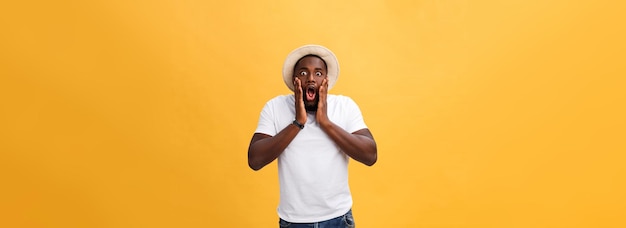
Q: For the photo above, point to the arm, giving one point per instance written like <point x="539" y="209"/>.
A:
<point x="359" y="145"/>
<point x="264" y="149"/>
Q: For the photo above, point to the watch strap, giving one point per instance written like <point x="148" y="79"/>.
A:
<point x="299" y="125"/>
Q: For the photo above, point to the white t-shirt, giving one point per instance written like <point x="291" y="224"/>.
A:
<point x="312" y="170"/>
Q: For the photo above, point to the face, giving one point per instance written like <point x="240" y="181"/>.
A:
<point x="311" y="70"/>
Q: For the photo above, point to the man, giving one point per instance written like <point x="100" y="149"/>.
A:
<point x="312" y="134"/>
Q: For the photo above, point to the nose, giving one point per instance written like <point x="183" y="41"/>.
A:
<point x="310" y="78"/>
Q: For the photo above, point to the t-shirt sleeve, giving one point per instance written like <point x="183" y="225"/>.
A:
<point x="354" y="118"/>
<point x="266" y="120"/>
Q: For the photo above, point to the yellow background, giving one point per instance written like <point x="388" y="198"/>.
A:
<point x="139" y="113"/>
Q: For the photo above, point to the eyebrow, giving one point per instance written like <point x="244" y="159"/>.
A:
<point x="317" y="68"/>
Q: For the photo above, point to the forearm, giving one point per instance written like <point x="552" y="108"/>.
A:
<point x="360" y="145"/>
<point x="264" y="149"/>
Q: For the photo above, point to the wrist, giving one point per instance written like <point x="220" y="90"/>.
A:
<point x="324" y="123"/>
<point x="298" y="124"/>
<point x="301" y="120"/>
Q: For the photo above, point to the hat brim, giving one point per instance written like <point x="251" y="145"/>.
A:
<point x="328" y="56"/>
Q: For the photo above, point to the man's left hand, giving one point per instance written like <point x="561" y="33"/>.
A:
<point x="321" y="115"/>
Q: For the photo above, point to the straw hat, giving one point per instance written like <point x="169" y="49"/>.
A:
<point x="328" y="56"/>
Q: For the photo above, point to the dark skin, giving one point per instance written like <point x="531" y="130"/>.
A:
<point x="310" y="73"/>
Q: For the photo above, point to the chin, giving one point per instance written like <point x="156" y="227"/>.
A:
<point x="311" y="107"/>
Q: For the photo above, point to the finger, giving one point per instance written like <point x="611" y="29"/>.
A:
<point x="297" y="85"/>
<point x="298" y="91"/>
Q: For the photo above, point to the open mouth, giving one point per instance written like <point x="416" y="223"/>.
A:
<point x="310" y="93"/>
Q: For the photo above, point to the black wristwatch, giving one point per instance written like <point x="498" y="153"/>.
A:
<point x="299" y="125"/>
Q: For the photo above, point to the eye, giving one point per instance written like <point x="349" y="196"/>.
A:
<point x="318" y="73"/>
<point x="302" y="73"/>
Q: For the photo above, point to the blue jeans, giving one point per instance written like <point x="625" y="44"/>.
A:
<point x="344" y="221"/>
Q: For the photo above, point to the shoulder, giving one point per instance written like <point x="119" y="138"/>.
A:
<point x="341" y="99"/>
<point x="281" y="99"/>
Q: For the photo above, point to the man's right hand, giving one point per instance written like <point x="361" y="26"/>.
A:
<point x="300" y="110"/>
